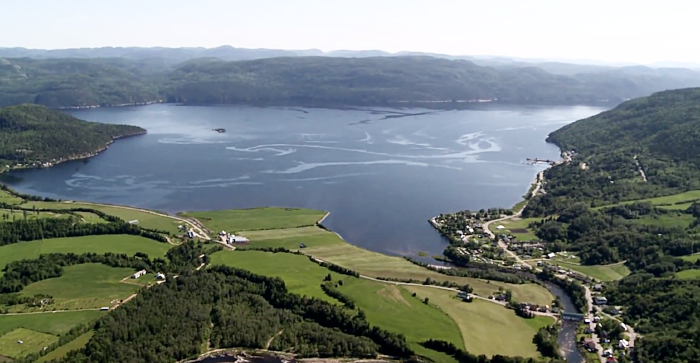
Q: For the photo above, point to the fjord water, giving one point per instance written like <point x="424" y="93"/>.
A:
<point x="380" y="172"/>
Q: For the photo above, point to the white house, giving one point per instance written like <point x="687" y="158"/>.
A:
<point x="138" y="274"/>
<point x="190" y="233"/>
<point x="551" y="255"/>
<point x="459" y="232"/>
<point x="160" y="276"/>
<point x="471" y="230"/>
<point x="500" y="226"/>
<point x="623" y="326"/>
<point x="104" y="308"/>
<point x="135" y="221"/>
<point x="624" y="344"/>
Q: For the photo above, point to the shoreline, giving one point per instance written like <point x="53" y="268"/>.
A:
<point x="73" y="158"/>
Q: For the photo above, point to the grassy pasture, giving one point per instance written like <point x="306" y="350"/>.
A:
<point x="390" y="307"/>
<point x="32" y="342"/>
<point x="688" y="274"/>
<point x="257" y="218"/>
<point x="146" y="220"/>
<point x="61" y="352"/>
<point x="98" y="244"/>
<point x="301" y="276"/>
<point x="674" y="201"/>
<point x="482" y="322"/>
<point x="86" y="286"/>
<point x="51" y="323"/>
<point x="599" y="272"/>
<point x="517" y="227"/>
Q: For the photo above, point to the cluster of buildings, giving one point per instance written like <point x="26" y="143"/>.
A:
<point x="230" y="238"/>
<point x="137" y="274"/>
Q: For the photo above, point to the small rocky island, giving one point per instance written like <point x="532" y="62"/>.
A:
<point x="220" y="130"/>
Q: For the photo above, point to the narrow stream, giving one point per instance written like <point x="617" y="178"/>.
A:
<point x="567" y="332"/>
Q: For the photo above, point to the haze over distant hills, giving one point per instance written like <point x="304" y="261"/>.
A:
<point x="228" y="75"/>
<point x="228" y="52"/>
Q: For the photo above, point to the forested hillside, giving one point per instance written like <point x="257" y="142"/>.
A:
<point x="34" y="134"/>
<point x="659" y="134"/>
<point x="150" y="75"/>
<point x="647" y="151"/>
<point x="386" y="80"/>
<point x="78" y="82"/>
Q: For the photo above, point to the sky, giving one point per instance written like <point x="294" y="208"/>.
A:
<point x="636" y="31"/>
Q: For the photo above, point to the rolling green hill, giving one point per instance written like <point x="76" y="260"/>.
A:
<point x="659" y="134"/>
<point x="32" y="134"/>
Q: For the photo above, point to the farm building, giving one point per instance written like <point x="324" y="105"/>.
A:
<point x="551" y="255"/>
<point x="104" y="308"/>
<point x="232" y="238"/>
<point x="135" y="221"/>
<point x="138" y="274"/>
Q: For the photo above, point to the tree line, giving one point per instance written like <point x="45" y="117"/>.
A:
<point x="245" y="310"/>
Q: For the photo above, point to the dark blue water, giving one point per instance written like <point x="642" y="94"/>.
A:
<point x="380" y="173"/>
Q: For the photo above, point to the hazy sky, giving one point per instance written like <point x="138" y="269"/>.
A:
<point x="612" y="30"/>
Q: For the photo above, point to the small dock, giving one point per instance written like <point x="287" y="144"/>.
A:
<point x="536" y="161"/>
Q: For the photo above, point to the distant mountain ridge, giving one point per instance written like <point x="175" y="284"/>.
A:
<point x="318" y="80"/>
<point x="227" y="52"/>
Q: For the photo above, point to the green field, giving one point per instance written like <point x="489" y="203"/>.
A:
<point x="517" y="227"/>
<point x="692" y="258"/>
<point x="329" y="247"/>
<point x="301" y="276"/>
<point x="688" y="274"/>
<point x="393" y="308"/>
<point x="672" y="200"/>
<point x="599" y="272"/>
<point x="61" y="352"/>
<point x="257" y="218"/>
<point x="86" y="286"/>
<point x="32" y="342"/>
<point x="91" y="217"/>
<point x="51" y="323"/>
<point x="15" y="215"/>
<point x="146" y="220"/>
<point x="487" y="328"/>
<point x="98" y="244"/>
<point x="7" y="198"/>
<point x="291" y="233"/>
<point x="681" y="221"/>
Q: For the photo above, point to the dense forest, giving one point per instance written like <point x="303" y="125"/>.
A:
<point x="32" y="133"/>
<point x="227" y="307"/>
<point x="202" y="77"/>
